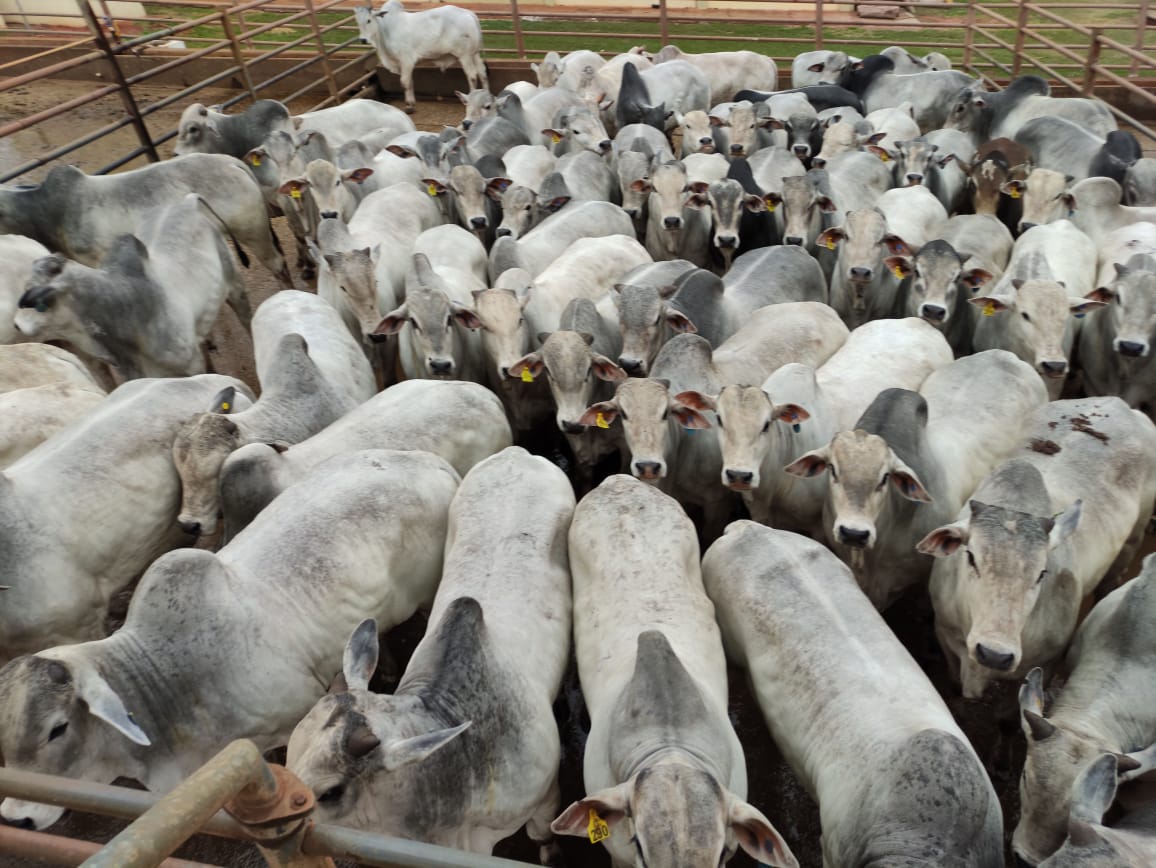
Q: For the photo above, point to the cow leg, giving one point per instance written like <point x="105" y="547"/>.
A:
<point x="239" y="301"/>
<point x="538" y="828"/>
<point x="407" y="84"/>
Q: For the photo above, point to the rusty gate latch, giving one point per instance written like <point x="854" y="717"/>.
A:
<point x="271" y="817"/>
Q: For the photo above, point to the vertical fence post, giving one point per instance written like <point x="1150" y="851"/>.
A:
<point x="126" y="96"/>
<point x="238" y="58"/>
<point x="1021" y="26"/>
<point x="519" y="39"/>
<point x="1092" y="61"/>
<point x="325" y="67"/>
<point x="663" y="24"/>
<point x="1141" y="28"/>
<point x="969" y="37"/>
<point x="818" y="24"/>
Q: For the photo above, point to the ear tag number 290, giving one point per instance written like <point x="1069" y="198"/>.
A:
<point x="597" y="828"/>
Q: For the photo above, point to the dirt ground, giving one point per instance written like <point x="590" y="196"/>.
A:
<point x="773" y="789"/>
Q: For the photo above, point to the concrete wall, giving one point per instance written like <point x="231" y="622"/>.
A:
<point x="66" y="10"/>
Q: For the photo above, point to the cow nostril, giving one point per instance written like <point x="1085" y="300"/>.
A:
<point x="739" y="477"/>
<point x="793" y="239"/>
<point x="933" y="312"/>
<point x="914" y="180"/>
<point x="672" y="222"/>
<point x="860" y="273"/>
<point x="605" y="144"/>
<point x="378" y="339"/>
<point x="1130" y="348"/>
<point x="727" y="241"/>
<point x="647" y="469"/>
<point x="801" y="150"/>
<point x="818" y="162"/>
<point x="1053" y="369"/>
<point x="190" y="527"/>
<point x="328" y="215"/>
<point x="706" y="141"/>
<point x="503" y="231"/>
<point x="478" y="222"/>
<point x="632" y="366"/>
<point x="572" y="428"/>
<point x="1001" y="661"/>
<point x="1024" y="227"/>
<point x="853" y="537"/>
<point x="467" y="124"/>
<point x="736" y="149"/>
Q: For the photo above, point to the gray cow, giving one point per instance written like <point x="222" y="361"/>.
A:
<point x="896" y="780"/>
<point x="204" y="131"/>
<point x="81" y="215"/>
<point x="85" y="513"/>
<point x="237" y="644"/>
<point x="1106" y="706"/>
<point x="465" y="751"/>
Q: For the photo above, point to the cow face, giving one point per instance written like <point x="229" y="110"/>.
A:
<point x="937" y="277"/>
<point x="504" y="332"/>
<point x="572" y="370"/>
<point x="727" y="201"/>
<point x="62" y="719"/>
<point x="352" y="272"/>
<point x="47" y="310"/>
<point x="1002" y="567"/>
<point x="803" y="206"/>
<point x="678" y="815"/>
<point x="518" y="211"/>
<point x="966" y="111"/>
<point x="1132" y="297"/>
<point x="697" y="133"/>
<point x="643" y="313"/>
<point x="647" y="411"/>
<point x="479" y="103"/>
<point x="1046" y="197"/>
<point x="199" y="451"/>
<point x="196" y="133"/>
<point x="432" y="317"/>
<point x="1056" y="757"/>
<point x="634" y="181"/>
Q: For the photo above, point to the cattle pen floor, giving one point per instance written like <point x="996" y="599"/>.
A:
<point x="773" y="789"/>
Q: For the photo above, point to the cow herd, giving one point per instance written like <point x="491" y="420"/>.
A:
<point x="881" y="335"/>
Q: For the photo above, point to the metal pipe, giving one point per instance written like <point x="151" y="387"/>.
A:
<point x="1141" y="30"/>
<point x="178" y="814"/>
<point x="519" y="38"/>
<point x="59" y="850"/>
<point x="325" y="68"/>
<point x="46" y="71"/>
<point x="370" y="849"/>
<point x="1091" y="63"/>
<point x="246" y="80"/>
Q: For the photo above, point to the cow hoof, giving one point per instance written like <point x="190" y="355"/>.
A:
<point x="409" y="108"/>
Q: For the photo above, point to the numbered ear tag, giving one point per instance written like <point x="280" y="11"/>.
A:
<point x="989" y="309"/>
<point x="255" y="160"/>
<point x="830" y="243"/>
<point x="555" y="138"/>
<point x="600" y="421"/>
<point x="885" y="157"/>
<point x="596" y="828"/>
<point x="225" y="405"/>
<point x="527" y="377"/>
<point x="771" y="207"/>
<point x="1014" y="192"/>
<point x="295" y="193"/>
<point x="431" y="189"/>
<point x="898" y="272"/>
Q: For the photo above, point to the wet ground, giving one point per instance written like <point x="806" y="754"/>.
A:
<point x="773" y="789"/>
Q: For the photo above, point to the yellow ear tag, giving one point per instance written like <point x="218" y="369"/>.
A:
<point x="885" y="157"/>
<point x="770" y="207"/>
<point x="597" y="828"/>
<point x="601" y="422"/>
<point x="225" y="406"/>
<point x="556" y="139"/>
<point x="255" y="160"/>
<point x="989" y="309"/>
<point x="295" y="193"/>
<point x="432" y="190"/>
<point x="1014" y="192"/>
<point x="830" y="243"/>
<point x="898" y="272"/>
<point x="527" y="377"/>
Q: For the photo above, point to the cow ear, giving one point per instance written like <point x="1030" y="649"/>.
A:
<point x="688" y="417"/>
<point x="599" y="415"/>
<point x="830" y="237"/>
<point x="943" y="541"/>
<point x="990" y="304"/>
<point x="908" y="484"/>
<point x="792" y="414"/>
<point x="360" y="658"/>
<point x="393" y="322"/>
<point x="293" y="187"/>
<point x="530" y="364"/>
<point x="225" y="400"/>
<point x="679" y="322"/>
<point x="810" y="464"/>
<point x="1104" y="294"/>
<point x="1137" y="763"/>
<point x="400" y="151"/>
<point x="900" y="266"/>
<point x="1095" y="790"/>
<point x="697" y="400"/>
<point x="495" y="187"/>
<point x="754" y="204"/>
<point x="896" y="245"/>
<point x="465" y="99"/>
<point x="406" y="751"/>
<point x="881" y="153"/>
<point x="255" y="156"/>
<point x="1081" y="306"/>
<point x="1031" y="695"/>
<point x="771" y="123"/>
<point x="103" y="702"/>
<point x="758" y="837"/>
<point x="975" y="277"/>
<point x="771" y="201"/>
<point x="357" y="175"/>
<point x="1065" y="524"/>
<point x="609" y="805"/>
<point x="604" y="369"/>
<point x="826" y="204"/>
<point x="434" y="187"/>
<point x="815" y="67"/>
<point x="874" y="139"/>
<point x="641" y="185"/>
<point x="1015" y="189"/>
<point x="696" y="202"/>
<point x="716" y="121"/>
<point x="465" y="317"/>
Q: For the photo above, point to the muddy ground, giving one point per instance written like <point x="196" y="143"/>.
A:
<point x="773" y="788"/>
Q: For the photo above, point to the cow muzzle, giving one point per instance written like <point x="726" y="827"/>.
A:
<point x="1132" y="349"/>
<point x="1054" y="370"/>
<point x="994" y="656"/>
<point x="648" y="471"/>
<point x="739" y="480"/>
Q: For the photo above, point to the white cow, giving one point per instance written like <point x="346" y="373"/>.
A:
<point x="157" y="699"/>
<point x="443" y="35"/>
<point x="85" y="512"/>
<point x="1037" y="537"/>
<point x="1106" y="706"/>
<point x="727" y="71"/>
<point x="661" y="753"/>
<point x="896" y="780"/>
<point x="1098" y="210"/>
<point x="469" y="734"/>
<point x="460" y="422"/>
<point x="17" y="254"/>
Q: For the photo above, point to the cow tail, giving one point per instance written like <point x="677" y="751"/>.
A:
<point x="241" y="254"/>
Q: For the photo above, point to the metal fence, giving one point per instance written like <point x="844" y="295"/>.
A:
<point x="310" y="48"/>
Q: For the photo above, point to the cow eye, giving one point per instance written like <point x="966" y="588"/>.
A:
<point x="57" y="731"/>
<point x="333" y="794"/>
<point x="1040" y="577"/>
<point x="766" y="425"/>
<point x="834" y="475"/>
<point x="416" y="327"/>
<point x="41" y="306"/>
<point x="883" y="481"/>
<point x="665" y="414"/>
<point x="971" y="560"/>
<point x="1024" y="314"/>
<point x="449" y="321"/>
